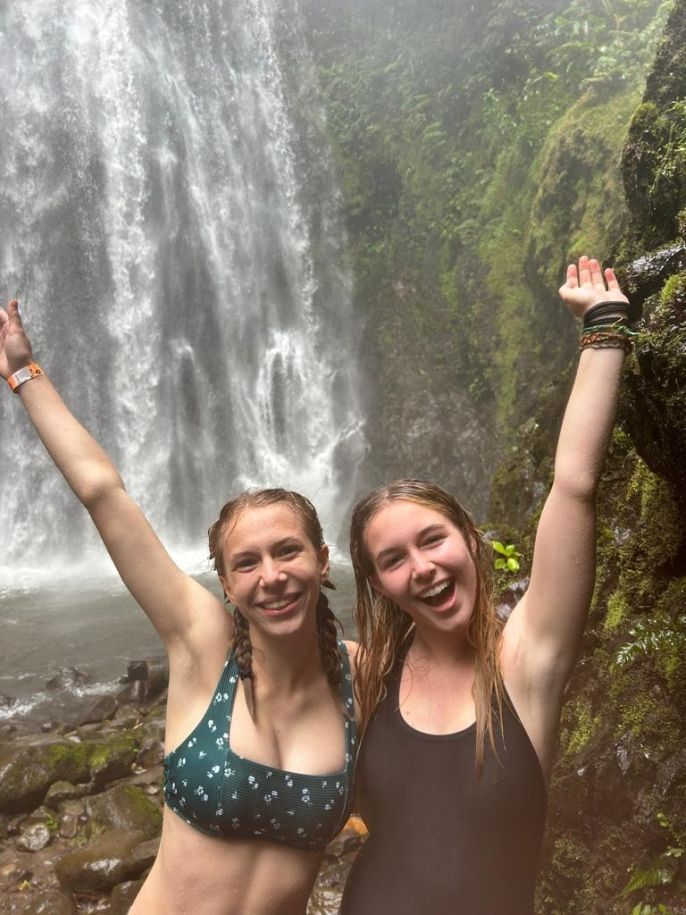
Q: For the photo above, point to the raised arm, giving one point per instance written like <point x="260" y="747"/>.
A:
<point x="542" y="636"/>
<point x="171" y="598"/>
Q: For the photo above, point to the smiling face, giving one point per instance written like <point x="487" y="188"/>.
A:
<point x="422" y="563"/>
<point x="272" y="570"/>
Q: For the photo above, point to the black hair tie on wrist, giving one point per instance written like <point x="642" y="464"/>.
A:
<point x="618" y="309"/>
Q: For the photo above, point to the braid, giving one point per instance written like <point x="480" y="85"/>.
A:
<point x="328" y="640"/>
<point x="242" y="648"/>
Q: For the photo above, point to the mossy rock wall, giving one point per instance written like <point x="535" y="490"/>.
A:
<point x="616" y="840"/>
<point x="477" y="148"/>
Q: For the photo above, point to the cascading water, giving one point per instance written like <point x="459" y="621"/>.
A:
<point x="157" y="235"/>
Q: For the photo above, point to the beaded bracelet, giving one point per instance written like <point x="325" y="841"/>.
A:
<point x="605" y="339"/>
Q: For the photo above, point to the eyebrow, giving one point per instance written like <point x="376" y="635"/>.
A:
<point x="285" y="541"/>
<point x="389" y="551"/>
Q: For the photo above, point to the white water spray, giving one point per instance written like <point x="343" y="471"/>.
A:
<point x="156" y="232"/>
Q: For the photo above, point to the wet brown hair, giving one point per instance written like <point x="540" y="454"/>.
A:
<point x="384" y="628"/>
<point x="306" y="514"/>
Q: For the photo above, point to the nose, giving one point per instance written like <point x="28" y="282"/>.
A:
<point x="271" y="573"/>
<point x="422" y="567"/>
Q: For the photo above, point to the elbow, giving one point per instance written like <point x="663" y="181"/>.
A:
<point x="99" y="487"/>
<point x="582" y="485"/>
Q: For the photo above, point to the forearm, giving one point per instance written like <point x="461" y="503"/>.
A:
<point x="588" y="422"/>
<point x="83" y="463"/>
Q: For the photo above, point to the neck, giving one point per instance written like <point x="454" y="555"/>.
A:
<point x="441" y="648"/>
<point x="286" y="663"/>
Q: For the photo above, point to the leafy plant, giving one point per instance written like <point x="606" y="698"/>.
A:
<point x="509" y="557"/>
<point x="656" y="636"/>
<point x="661" y="872"/>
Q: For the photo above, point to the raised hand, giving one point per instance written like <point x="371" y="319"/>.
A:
<point x="15" y="346"/>
<point x="588" y="285"/>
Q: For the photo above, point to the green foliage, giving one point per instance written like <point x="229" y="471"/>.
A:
<point x="661" y="872"/>
<point x="659" y="636"/>
<point x="509" y="556"/>
<point x="52" y="824"/>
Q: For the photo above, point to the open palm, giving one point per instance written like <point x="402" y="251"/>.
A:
<point x="587" y="285"/>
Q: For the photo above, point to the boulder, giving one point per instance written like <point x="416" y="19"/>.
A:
<point x="99" y="867"/>
<point x="35" y="837"/>
<point x="28" y="767"/>
<point x="125" y="808"/>
<point x="123" y="896"/>
<point x="102" y="709"/>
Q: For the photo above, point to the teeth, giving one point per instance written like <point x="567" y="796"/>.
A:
<point x="276" y="604"/>
<point x="433" y="592"/>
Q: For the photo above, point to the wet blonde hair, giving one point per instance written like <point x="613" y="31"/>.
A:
<point x="384" y="628"/>
<point x="327" y="634"/>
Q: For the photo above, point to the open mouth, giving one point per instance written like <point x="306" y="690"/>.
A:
<point x="280" y="606"/>
<point x="439" y="595"/>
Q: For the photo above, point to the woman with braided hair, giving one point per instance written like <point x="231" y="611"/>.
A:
<point x="259" y="723"/>
<point x="460" y="711"/>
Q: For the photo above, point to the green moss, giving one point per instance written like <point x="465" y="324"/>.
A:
<point x="580" y="728"/>
<point x="617" y="611"/>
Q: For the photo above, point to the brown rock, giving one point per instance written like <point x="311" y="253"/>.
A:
<point x="44" y="903"/>
<point x="13" y="873"/>
<point x="102" y="709"/>
<point x="123" y="896"/>
<point x="124" y="807"/>
<point x="69" y="826"/>
<point x="103" y="864"/>
<point x="151" y="753"/>
<point x="64" y="791"/>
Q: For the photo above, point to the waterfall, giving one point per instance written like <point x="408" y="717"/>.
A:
<point x="182" y="288"/>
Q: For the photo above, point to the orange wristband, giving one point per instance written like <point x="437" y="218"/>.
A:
<point x="26" y="373"/>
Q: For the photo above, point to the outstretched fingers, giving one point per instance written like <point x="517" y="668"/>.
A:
<point x="596" y="275"/>
<point x="612" y="281"/>
<point x="584" y="271"/>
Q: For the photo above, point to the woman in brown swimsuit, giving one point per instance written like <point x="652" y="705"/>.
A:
<point x="460" y="712"/>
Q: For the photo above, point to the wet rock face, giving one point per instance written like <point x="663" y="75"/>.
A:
<point x="653" y="408"/>
<point x="653" y="162"/>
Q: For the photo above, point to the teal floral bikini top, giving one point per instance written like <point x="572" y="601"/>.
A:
<point x="223" y="794"/>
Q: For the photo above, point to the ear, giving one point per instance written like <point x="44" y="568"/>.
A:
<point x="225" y="586"/>
<point x="324" y="563"/>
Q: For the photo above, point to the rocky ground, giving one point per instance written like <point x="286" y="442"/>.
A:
<point x="81" y="807"/>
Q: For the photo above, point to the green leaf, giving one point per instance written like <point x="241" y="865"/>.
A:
<point x="498" y="547"/>
<point x="512" y="564"/>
